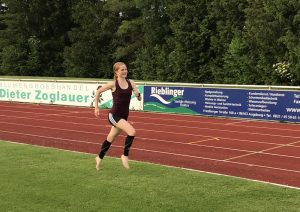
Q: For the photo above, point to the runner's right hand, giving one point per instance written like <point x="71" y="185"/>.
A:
<point x="97" y="112"/>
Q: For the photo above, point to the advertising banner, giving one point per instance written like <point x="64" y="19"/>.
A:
<point x="258" y="104"/>
<point x="172" y="99"/>
<point x="61" y="93"/>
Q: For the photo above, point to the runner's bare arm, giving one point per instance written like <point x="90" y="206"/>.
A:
<point x="135" y="90"/>
<point x="105" y="87"/>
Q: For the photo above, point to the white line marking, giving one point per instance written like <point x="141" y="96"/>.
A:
<point x="238" y="122"/>
<point x="209" y="139"/>
<point x="49" y="137"/>
<point x="207" y="129"/>
<point x="161" y="152"/>
<point x="187" y="121"/>
<point x="216" y="118"/>
<point x="74" y="140"/>
<point x="160" y="140"/>
<point x="175" y="167"/>
<point x="197" y="157"/>
<point x="263" y="151"/>
<point x="105" y="125"/>
<point x="66" y="122"/>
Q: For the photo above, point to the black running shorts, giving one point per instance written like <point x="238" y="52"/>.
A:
<point x="113" y="119"/>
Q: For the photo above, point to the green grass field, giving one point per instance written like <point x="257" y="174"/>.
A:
<point x="45" y="179"/>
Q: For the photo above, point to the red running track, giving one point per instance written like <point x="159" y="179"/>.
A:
<point x="257" y="150"/>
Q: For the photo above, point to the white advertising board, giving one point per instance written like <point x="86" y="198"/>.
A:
<point x="60" y="93"/>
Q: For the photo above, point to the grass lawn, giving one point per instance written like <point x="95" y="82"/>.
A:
<point x="45" y="179"/>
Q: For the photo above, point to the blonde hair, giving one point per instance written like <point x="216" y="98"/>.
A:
<point x="116" y="67"/>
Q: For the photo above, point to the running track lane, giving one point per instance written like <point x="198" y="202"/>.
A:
<point x="264" y="151"/>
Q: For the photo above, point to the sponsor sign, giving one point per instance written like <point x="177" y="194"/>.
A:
<point x="258" y="104"/>
<point x="61" y="93"/>
<point x="171" y="99"/>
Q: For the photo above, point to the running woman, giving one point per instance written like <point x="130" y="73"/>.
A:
<point x="121" y="89"/>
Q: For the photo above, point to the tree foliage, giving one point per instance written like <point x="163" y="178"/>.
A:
<point x="217" y="41"/>
<point x="36" y="33"/>
<point x="89" y="53"/>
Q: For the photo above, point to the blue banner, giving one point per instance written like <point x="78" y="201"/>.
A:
<point x="171" y="99"/>
<point x="257" y="104"/>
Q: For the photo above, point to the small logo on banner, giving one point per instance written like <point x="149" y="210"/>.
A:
<point x="160" y="99"/>
<point x="94" y="95"/>
<point x="158" y="92"/>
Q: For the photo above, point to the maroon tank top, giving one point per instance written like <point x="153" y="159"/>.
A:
<point x="121" y="100"/>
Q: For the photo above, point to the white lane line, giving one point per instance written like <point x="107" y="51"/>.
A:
<point x="100" y="125"/>
<point x="84" y="110"/>
<point x="238" y="122"/>
<point x="206" y="129"/>
<point x="218" y="160"/>
<point x="161" y="152"/>
<point x="208" y="139"/>
<point x="262" y="151"/>
<point x="74" y="140"/>
<point x="176" y="167"/>
<point x="99" y="133"/>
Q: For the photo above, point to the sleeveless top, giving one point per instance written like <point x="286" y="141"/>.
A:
<point x="121" y="100"/>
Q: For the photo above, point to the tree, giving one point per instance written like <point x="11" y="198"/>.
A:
<point x="90" y="51"/>
<point x="190" y="43"/>
<point x="151" y="60"/>
<point x="40" y="28"/>
<point x="238" y="66"/>
<point x="270" y="37"/>
<point x="12" y="51"/>
<point x="287" y="68"/>
<point x="227" y="19"/>
<point x="129" y="35"/>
